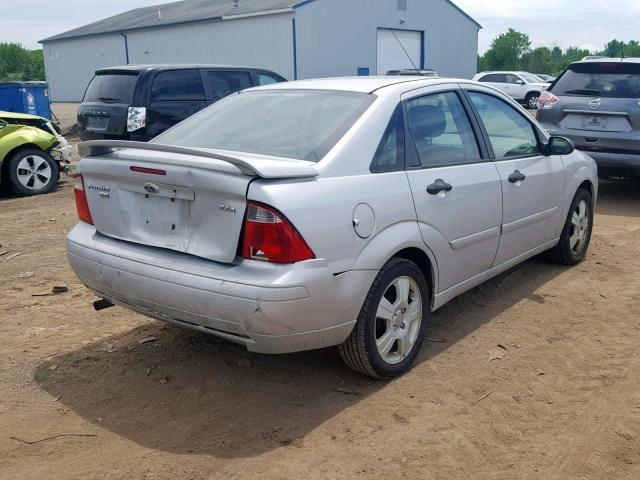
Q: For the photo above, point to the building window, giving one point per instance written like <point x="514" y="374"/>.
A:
<point x="402" y="5"/>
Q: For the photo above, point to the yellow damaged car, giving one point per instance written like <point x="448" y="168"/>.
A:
<point x="33" y="152"/>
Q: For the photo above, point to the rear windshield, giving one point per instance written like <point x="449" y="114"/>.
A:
<point x="111" y="88"/>
<point x="608" y="80"/>
<point x="299" y="124"/>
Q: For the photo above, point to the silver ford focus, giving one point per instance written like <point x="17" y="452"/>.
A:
<point x="328" y="212"/>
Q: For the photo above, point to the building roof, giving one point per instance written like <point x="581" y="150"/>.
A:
<point x="188" y="11"/>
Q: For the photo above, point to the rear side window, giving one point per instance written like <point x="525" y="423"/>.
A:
<point x="220" y="83"/>
<point x="441" y="131"/>
<point x="111" y="88"/>
<point x="177" y="85"/>
<point x="510" y="133"/>
<point x="390" y="154"/>
<point x="600" y="79"/>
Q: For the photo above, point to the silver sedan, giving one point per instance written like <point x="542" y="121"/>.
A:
<point x="328" y="212"/>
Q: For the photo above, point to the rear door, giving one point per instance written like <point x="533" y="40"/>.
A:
<point x="456" y="189"/>
<point x="532" y="184"/>
<point x="103" y="111"/>
<point x="175" y="95"/>
<point x="221" y="83"/>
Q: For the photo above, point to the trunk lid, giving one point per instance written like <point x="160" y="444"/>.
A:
<point x="191" y="201"/>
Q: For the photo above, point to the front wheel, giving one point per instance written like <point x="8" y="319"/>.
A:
<point x="532" y="101"/>
<point x="576" y="234"/>
<point x="392" y="323"/>
<point x="32" y="172"/>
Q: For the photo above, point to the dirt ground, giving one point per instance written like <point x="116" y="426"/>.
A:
<point x="83" y="396"/>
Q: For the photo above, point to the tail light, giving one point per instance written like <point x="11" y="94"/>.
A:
<point x="82" y="206"/>
<point x="136" y="118"/>
<point x="270" y="237"/>
<point x="547" y="100"/>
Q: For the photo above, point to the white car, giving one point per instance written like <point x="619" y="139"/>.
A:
<point x="522" y="86"/>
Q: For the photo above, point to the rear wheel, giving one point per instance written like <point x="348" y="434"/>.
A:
<point x="32" y="172"/>
<point x="576" y="234"/>
<point x="532" y="101"/>
<point x="392" y="322"/>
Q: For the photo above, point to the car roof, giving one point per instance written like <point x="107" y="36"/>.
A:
<point x="611" y="60"/>
<point x="171" y="66"/>
<point x="356" y="84"/>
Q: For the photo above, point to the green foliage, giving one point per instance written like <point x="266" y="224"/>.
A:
<point x="512" y="51"/>
<point x="19" y="64"/>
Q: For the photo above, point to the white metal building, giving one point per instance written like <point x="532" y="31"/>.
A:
<point x="295" y="38"/>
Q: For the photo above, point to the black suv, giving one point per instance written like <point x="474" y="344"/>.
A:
<point x="138" y="102"/>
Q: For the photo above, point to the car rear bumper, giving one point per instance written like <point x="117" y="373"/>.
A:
<point x="611" y="153"/>
<point x="269" y="308"/>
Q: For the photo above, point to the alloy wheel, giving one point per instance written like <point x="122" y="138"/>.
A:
<point x="34" y="172"/>
<point x="398" y="320"/>
<point x="580" y="223"/>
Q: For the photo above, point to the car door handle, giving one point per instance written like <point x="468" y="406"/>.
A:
<point x="439" y="186"/>
<point x="517" y="176"/>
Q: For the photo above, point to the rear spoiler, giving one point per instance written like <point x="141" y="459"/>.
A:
<point x="251" y="165"/>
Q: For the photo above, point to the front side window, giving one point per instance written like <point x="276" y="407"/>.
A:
<point x="510" y="133"/>
<point x="177" y="85"/>
<point x="297" y="124"/>
<point x="513" y="79"/>
<point x="266" y="79"/>
<point x="493" y="78"/>
<point x="221" y="83"/>
<point x="441" y="131"/>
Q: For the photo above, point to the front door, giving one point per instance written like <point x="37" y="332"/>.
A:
<point x="532" y="184"/>
<point x="456" y="190"/>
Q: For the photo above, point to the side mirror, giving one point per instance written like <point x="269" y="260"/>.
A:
<point x="520" y="82"/>
<point x="559" y="146"/>
<point x="2" y="124"/>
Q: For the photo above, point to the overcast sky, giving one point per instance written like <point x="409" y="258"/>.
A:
<point x="583" y="23"/>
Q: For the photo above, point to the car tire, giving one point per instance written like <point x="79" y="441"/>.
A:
<point x="401" y="294"/>
<point x="576" y="234"/>
<point x="531" y="100"/>
<point x="31" y="171"/>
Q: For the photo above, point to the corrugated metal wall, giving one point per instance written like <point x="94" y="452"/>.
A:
<point x="70" y="64"/>
<point x="335" y="37"/>
<point x="263" y="41"/>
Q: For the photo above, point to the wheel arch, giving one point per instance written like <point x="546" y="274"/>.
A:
<point x="424" y="263"/>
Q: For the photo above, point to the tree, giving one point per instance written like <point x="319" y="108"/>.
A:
<point x="539" y="60"/>
<point x="507" y="50"/>
<point x="18" y="63"/>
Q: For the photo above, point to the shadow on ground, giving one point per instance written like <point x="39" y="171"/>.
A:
<point x="190" y="393"/>
<point x="620" y="197"/>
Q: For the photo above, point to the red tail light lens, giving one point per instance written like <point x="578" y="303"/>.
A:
<point x="268" y="236"/>
<point x="547" y="100"/>
<point x="82" y="205"/>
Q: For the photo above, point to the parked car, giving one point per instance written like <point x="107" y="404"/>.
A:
<point x="32" y="153"/>
<point x="595" y="104"/>
<point x="546" y="78"/>
<point x="370" y="203"/>
<point x="425" y="72"/>
<point x="523" y="86"/>
<point x="138" y="102"/>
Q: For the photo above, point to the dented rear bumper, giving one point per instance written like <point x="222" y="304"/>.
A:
<point x="269" y="308"/>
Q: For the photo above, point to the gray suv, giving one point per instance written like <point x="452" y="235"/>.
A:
<point x="596" y="104"/>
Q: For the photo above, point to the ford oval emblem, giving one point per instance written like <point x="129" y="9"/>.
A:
<point x="595" y="104"/>
<point x="151" y="188"/>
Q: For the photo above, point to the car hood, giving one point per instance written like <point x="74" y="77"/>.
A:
<point x="22" y="116"/>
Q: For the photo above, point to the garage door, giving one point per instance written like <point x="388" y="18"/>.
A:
<point x="398" y="49"/>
